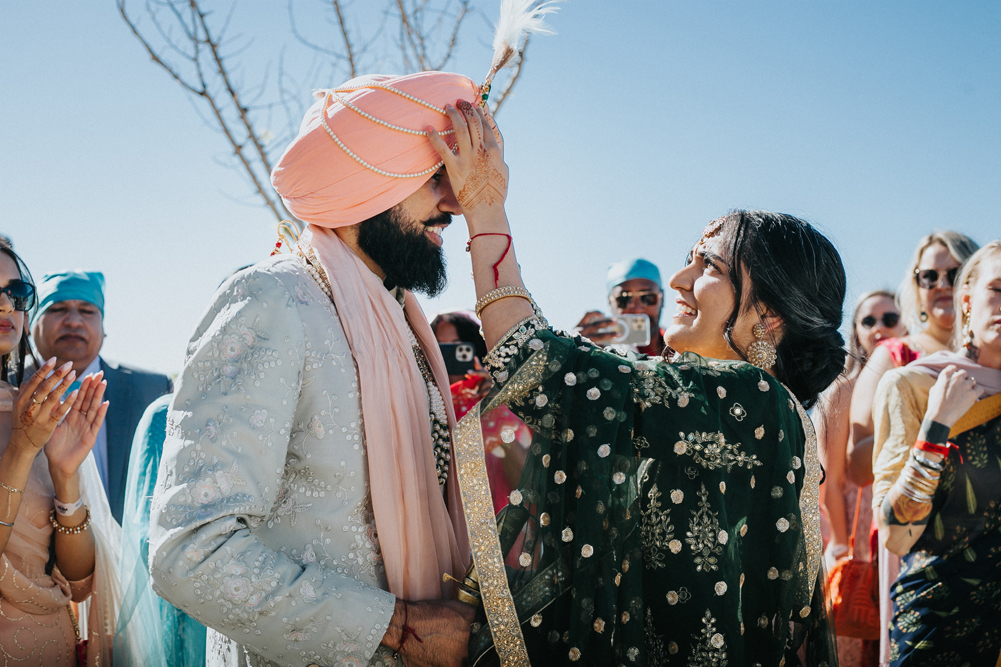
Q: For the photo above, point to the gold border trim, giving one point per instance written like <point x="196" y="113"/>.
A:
<point x="809" y="501"/>
<point x="484" y="543"/>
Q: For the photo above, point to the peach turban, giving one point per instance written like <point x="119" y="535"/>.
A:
<point x="373" y="152"/>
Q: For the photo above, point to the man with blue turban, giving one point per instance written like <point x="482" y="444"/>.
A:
<point x="634" y="288"/>
<point x="69" y="325"/>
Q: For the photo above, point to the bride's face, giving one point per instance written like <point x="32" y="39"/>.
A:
<point x="704" y="301"/>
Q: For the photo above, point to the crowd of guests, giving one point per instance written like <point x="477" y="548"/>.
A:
<point x="894" y="449"/>
<point x="909" y="436"/>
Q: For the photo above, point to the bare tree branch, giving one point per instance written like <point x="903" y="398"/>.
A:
<point x="347" y="41"/>
<point x="191" y="42"/>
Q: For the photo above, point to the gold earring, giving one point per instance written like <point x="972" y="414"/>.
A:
<point x="761" y="353"/>
<point x="967" y="331"/>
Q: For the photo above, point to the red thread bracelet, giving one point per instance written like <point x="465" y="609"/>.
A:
<point x="935" y="448"/>
<point x="497" y="264"/>
<point x="407" y="630"/>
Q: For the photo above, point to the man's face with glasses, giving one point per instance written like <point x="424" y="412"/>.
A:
<point x="638" y="296"/>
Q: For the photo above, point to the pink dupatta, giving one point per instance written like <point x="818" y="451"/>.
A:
<point x="421" y="538"/>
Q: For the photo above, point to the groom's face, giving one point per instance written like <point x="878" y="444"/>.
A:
<point x="405" y="241"/>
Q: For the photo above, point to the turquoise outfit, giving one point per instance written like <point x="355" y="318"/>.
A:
<point x="169" y="637"/>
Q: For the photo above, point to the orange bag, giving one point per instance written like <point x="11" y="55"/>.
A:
<point x="854" y="589"/>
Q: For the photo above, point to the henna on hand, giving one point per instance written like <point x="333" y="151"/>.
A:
<point x="485" y="185"/>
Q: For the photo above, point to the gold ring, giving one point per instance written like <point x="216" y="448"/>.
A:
<point x="36" y="402"/>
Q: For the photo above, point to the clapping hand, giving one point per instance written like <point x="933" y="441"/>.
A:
<point x="73" y="439"/>
<point x="38" y="409"/>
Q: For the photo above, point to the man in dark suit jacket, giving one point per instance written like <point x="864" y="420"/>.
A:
<point x="69" y="325"/>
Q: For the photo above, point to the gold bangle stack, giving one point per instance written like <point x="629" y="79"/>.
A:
<point x="69" y="530"/>
<point x="503" y="293"/>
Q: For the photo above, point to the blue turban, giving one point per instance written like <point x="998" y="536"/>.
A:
<point x="630" y="269"/>
<point x="70" y="285"/>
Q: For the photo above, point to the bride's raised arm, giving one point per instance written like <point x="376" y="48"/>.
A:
<point x="479" y="178"/>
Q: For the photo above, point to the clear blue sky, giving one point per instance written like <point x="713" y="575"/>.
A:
<point x="637" y="124"/>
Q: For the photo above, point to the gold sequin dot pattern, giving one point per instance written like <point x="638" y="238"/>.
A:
<point x="720" y="587"/>
<point x="544" y="519"/>
<point x="587" y="551"/>
<point x="604" y="451"/>
<point x="567" y="535"/>
<point x="536" y="620"/>
<point x="525" y="559"/>
<point x="559" y="477"/>
<point x="515" y="497"/>
<point x="574" y="654"/>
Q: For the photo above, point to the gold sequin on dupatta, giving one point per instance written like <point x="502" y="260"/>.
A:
<point x="484" y="543"/>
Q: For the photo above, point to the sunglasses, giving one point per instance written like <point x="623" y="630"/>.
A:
<point x="931" y="278"/>
<point x="646" y="297"/>
<point x="890" y="320"/>
<point x="20" y="293"/>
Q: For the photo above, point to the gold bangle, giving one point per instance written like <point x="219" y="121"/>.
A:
<point x="69" y="530"/>
<point x="503" y="293"/>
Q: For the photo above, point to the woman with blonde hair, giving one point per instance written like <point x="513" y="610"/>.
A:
<point x="926" y="300"/>
<point x="876" y="318"/>
<point x="937" y="488"/>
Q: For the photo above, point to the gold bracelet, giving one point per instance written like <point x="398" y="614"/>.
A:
<point x="69" y="530"/>
<point x="10" y="489"/>
<point x="503" y="293"/>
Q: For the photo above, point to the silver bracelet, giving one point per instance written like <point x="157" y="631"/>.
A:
<point x="4" y="523"/>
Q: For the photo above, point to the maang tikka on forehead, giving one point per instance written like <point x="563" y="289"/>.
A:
<point x="712" y="229"/>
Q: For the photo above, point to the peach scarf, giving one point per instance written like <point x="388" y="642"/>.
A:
<point x="421" y="538"/>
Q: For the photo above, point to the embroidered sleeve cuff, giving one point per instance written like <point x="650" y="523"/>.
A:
<point x="499" y="359"/>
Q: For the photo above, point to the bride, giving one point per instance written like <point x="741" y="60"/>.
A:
<point x="668" y="510"/>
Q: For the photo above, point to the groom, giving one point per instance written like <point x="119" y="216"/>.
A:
<point x="305" y="508"/>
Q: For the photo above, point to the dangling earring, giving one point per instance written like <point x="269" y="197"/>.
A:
<point x="967" y="331"/>
<point x="923" y="317"/>
<point x="761" y="353"/>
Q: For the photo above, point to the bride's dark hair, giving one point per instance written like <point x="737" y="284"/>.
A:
<point x="796" y="273"/>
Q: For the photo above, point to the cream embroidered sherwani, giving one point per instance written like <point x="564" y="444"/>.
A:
<point x="261" y="522"/>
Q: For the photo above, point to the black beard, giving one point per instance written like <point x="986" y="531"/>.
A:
<point x="401" y="249"/>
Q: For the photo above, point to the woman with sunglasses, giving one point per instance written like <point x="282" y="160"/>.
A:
<point x="876" y="318"/>
<point x="56" y="531"/>
<point x="668" y="509"/>
<point x="937" y="488"/>
<point x="925" y="298"/>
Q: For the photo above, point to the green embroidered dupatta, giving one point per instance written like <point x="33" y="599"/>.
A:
<point x="667" y="513"/>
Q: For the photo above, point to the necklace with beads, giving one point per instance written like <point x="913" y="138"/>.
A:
<point x="440" y="437"/>
<point x="439" y="417"/>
